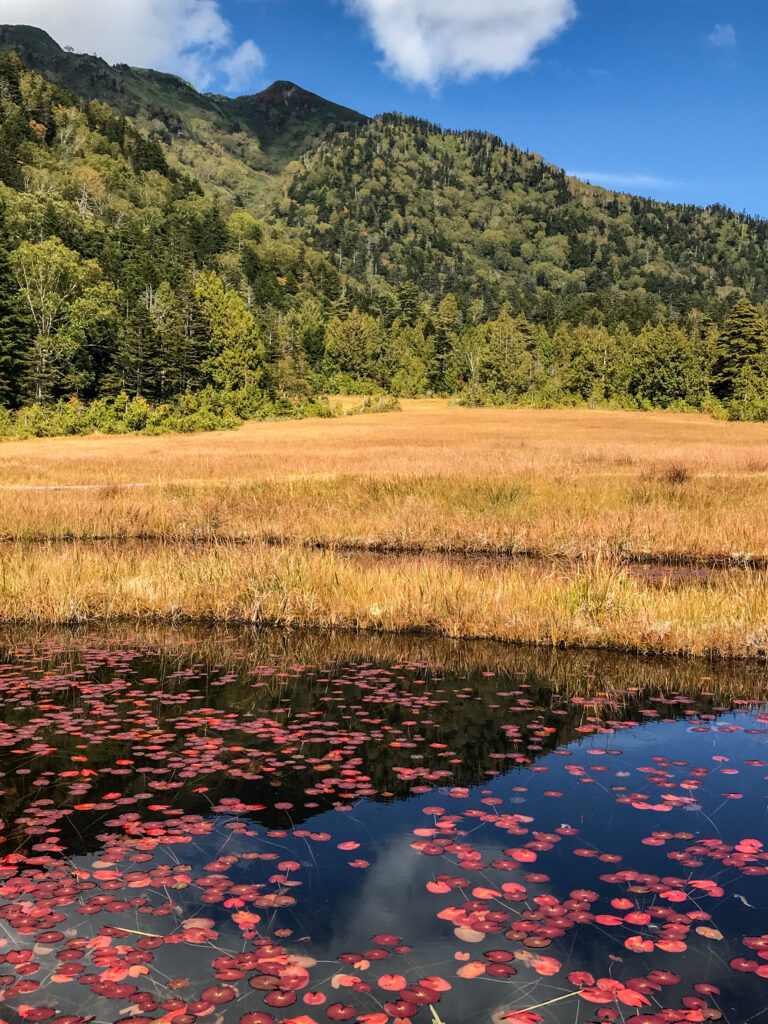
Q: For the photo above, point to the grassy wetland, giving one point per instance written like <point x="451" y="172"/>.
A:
<point x="644" y="532"/>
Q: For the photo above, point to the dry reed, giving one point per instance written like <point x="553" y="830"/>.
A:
<point x="586" y="489"/>
<point x="595" y="604"/>
<point x="430" y="478"/>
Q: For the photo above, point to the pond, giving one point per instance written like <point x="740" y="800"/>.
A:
<point x="273" y="827"/>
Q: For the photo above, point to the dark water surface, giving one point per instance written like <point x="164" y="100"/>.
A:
<point x="290" y="828"/>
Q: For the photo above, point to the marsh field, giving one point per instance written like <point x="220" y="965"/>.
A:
<point x="637" y="531"/>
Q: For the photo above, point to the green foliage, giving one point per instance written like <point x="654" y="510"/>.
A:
<point x="374" y="404"/>
<point x="351" y="344"/>
<point x="15" y="327"/>
<point x="667" y="369"/>
<point x="237" y="358"/>
<point x="741" y="369"/>
<point x="509" y="365"/>
<point x="207" y="410"/>
<point x="401" y="202"/>
<point x="138" y="293"/>
<point x="661" y="367"/>
<point x="62" y="293"/>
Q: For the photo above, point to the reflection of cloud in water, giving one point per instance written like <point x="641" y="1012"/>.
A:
<point x="391" y="900"/>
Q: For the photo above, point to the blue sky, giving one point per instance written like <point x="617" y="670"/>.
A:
<point x="659" y="97"/>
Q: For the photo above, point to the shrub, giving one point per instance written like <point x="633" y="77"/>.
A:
<point x="207" y="410"/>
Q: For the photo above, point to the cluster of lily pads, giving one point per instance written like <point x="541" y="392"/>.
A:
<point x="288" y="844"/>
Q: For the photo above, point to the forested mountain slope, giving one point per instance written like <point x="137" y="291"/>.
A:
<point x="238" y="146"/>
<point x="402" y="201"/>
<point x="120" y="272"/>
<point x="396" y="201"/>
<point x="138" y="289"/>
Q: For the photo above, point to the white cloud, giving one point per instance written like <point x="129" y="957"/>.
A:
<point x="241" y="66"/>
<point x="723" y="37"/>
<point x="623" y="182"/>
<point x="426" y="41"/>
<point x="191" y="38"/>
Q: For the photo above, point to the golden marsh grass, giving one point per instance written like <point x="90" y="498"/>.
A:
<point x="582" y="489"/>
<point x="431" y="477"/>
<point x="596" y="604"/>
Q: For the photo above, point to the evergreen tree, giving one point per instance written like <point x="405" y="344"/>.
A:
<point x="668" y="368"/>
<point x="237" y="359"/>
<point x="408" y="300"/>
<point x="15" y="131"/>
<point x="350" y="345"/>
<point x="178" y="336"/>
<point x="510" y="365"/>
<point x="15" y="327"/>
<point x="306" y="325"/>
<point x="741" y="353"/>
<point x="10" y="78"/>
<point x="447" y="323"/>
<point x="136" y="370"/>
<point x="589" y="357"/>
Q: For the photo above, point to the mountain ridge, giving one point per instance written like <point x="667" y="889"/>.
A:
<point x="33" y="44"/>
<point x="284" y="117"/>
<point x="279" y="122"/>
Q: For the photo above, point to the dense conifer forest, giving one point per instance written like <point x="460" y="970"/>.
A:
<point x="186" y="267"/>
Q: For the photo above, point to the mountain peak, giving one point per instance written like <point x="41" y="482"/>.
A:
<point x="283" y="91"/>
<point x="29" y="32"/>
<point x="285" y="116"/>
<point x="287" y="94"/>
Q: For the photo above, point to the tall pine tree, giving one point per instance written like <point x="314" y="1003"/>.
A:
<point x="15" y="327"/>
<point x="740" y="365"/>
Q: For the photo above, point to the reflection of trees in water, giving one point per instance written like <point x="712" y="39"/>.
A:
<point x="571" y="671"/>
<point x="551" y="698"/>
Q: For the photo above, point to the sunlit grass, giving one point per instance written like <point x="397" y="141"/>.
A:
<point x="431" y="477"/>
<point x="593" y="604"/>
<point x="586" y="491"/>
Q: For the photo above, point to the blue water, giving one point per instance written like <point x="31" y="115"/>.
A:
<point x="149" y="800"/>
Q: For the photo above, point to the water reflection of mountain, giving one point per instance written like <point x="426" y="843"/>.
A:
<point x="407" y="708"/>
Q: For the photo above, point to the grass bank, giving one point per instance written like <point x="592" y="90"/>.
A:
<point x="594" y="604"/>
<point x="241" y="649"/>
